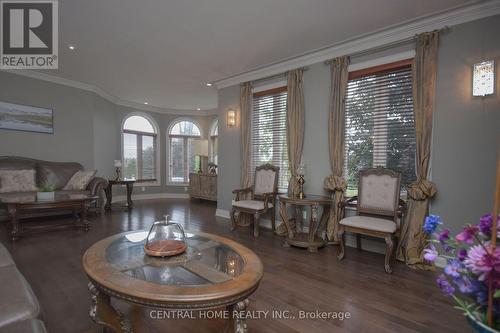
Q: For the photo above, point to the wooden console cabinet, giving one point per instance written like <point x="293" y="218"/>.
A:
<point x="203" y="186"/>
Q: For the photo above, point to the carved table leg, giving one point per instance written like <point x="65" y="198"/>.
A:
<point x="312" y="228"/>
<point x="109" y="196"/>
<point x="236" y="322"/>
<point x="83" y="217"/>
<point x="325" y="216"/>
<point x="14" y="220"/>
<point x="130" y="188"/>
<point x="299" y="222"/>
<point x="233" y="219"/>
<point x="256" y="217"/>
<point x="286" y="222"/>
<point x="388" y="253"/>
<point x="341" y="254"/>
<point x="103" y="313"/>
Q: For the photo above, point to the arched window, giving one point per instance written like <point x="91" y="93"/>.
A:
<point x="181" y="156"/>
<point x="214" y="142"/>
<point x="139" y="149"/>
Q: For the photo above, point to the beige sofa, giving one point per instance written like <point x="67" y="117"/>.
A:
<point x="55" y="173"/>
<point x="19" y="307"/>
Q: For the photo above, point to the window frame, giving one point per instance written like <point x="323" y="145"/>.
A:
<point x="383" y="68"/>
<point x="269" y="90"/>
<point x="156" y="144"/>
<point x="213" y="137"/>
<point x="185" y="150"/>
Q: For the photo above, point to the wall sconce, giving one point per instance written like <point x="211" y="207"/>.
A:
<point x="483" y="78"/>
<point x="231" y="118"/>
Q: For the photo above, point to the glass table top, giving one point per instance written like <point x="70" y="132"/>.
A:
<point x="205" y="261"/>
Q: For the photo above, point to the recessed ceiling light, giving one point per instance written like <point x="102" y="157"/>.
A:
<point x="208" y="84"/>
<point x="198" y="109"/>
<point x="146" y="103"/>
<point x="71" y="47"/>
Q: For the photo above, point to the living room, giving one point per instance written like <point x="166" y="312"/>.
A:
<point x="280" y="166"/>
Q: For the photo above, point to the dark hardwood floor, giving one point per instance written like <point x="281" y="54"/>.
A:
<point x="294" y="280"/>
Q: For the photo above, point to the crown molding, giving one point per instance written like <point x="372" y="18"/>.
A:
<point x="111" y="98"/>
<point x="386" y="36"/>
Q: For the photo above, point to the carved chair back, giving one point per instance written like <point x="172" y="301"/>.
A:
<point x="378" y="192"/>
<point x="265" y="180"/>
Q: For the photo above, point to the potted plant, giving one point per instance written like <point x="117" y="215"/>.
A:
<point x="45" y="193"/>
<point x="472" y="272"/>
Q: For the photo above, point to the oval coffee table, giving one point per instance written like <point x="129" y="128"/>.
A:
<point x="213" y="273"/>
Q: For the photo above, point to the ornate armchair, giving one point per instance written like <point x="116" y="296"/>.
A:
<point x="260" y="197"/>
<point x="378" y="209"/>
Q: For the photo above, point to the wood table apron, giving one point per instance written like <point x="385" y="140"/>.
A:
<point x="314" y="238"/>
<point x="232" y="295"/>
<point x="17" y="210"/>
<point x="129" y="184"/>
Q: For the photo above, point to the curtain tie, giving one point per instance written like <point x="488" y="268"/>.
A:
<point x="335" y="183"/>
<point x="421" y="190"/>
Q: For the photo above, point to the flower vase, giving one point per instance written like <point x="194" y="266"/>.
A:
<point x="479" y="327"/>
<point x="45" y="196"/>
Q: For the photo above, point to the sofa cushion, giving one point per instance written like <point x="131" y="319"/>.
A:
<point x="22" y="303"/>
<point x="5" y="257"/>
<point x="80" y="180"/>
<point x="251" y="204"/>
<point x="25" y="326"/>
<point x="17" y="181"/>
<point x="369" y="223"/>
<point x="55" y="174"/>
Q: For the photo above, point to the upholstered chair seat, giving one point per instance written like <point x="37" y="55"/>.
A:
<point x="369" y="223"/>
<point x="251" y="204"/>
<point x="379" y="210"/>
<point x="257" y="199"/>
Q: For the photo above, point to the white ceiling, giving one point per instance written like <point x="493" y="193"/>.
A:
<point x="163" y="51"/>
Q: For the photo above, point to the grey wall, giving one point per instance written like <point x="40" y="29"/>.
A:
<point x="104" y="137"/>
<point x="72" y="139"/>
<point x="87" y="128"/>
<point x="466" y="129"/>
<point x="229" y="168"/>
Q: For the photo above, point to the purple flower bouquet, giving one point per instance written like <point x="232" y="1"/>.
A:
<point x="471" y="266"/>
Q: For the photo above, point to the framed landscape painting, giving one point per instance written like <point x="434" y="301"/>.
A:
<point x="26" y="118"/>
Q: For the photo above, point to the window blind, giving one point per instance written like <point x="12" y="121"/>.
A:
<point x="379" y="124"/>
<point x="268" y="133"/>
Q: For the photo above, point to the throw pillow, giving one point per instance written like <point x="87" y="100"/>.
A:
<point x="17" y="181"/>
<point x="80" y="180"/>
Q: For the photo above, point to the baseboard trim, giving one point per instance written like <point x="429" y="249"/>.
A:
<point x="151" y="196"/>
<point x="222" y="213"/>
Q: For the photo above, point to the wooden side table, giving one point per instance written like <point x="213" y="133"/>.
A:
<point x="109" y="193"/>
<point x="314" y="238"/>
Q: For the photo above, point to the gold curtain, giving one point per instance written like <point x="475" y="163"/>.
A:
<point x="295" y="124"/>
<point x="245" y="111"/>
<point x="336" y="130"/>
<point x="413" y="239"/>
